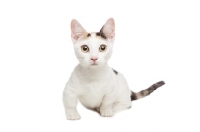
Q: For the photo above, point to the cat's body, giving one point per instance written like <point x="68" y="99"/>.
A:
<point x="93" y="86"/>
<point x="93" y="82"/>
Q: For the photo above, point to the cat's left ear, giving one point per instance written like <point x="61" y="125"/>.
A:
<point x="108" y="29"/>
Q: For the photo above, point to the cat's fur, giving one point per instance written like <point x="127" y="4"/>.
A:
<point x="93" y="82"/>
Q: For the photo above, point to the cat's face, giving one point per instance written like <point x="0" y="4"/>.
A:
<point x="95" y="48"/>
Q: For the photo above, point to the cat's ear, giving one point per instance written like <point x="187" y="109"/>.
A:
<point x="76" y="30"/>
<point x="108" y="29"/>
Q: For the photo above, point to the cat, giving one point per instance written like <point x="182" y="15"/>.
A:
<point x="93" y="82"/>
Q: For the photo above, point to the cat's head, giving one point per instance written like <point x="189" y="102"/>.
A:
<point x="93" y="49"/>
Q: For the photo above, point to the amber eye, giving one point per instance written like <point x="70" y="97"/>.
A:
<point x="102" y="48"/>
<point x="85" y="48"/>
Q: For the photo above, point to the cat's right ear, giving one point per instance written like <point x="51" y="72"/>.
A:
<point x="108" y="30"/>
<point x="76" y="30"/>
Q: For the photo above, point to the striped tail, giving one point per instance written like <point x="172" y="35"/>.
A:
<point x="143" y="93"/>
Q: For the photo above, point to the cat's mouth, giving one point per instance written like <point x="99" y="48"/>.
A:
<point x="94" y="64"/>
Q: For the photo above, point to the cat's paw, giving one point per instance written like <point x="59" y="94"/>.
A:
<point x="106" y="113"/>
<point x="73" y="116"/>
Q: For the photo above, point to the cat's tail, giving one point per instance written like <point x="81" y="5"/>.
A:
<point x="144" y="93"/>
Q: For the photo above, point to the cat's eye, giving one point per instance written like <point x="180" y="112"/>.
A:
<point x="84" y="48"/>
<point x="102" y="48"/>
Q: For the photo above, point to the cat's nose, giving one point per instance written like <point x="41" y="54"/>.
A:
<point x="94" y="58"/>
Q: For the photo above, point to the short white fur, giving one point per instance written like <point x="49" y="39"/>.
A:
<point x="95" y="86"/>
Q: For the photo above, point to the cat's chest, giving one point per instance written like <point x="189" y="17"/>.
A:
<point x="93" y="94"/>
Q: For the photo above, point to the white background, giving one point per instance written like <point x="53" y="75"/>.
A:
<point x="155" y="40"/>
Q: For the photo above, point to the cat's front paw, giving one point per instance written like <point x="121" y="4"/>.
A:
<point x="106" y="113"/>
<point x="73" y="116"/>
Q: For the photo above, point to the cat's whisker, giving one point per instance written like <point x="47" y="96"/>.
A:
<point x="84" y="68"/>
<point x="103" y="67"/>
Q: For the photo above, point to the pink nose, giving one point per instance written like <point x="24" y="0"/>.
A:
<point x="94" y="58"/>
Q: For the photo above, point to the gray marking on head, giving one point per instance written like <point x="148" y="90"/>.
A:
<point x="88" y="35"/>
<point x="101" y="34"/>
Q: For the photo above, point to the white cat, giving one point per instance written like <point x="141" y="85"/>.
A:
<point x="93" y="82"/>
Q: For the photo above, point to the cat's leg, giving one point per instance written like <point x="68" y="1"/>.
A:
<point x="123" y="102"/>
<point x="106" y="106"/>
<point x="70" y="101"/>
<point x="121" y="106"/>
